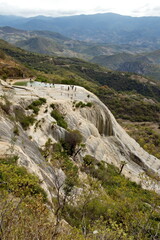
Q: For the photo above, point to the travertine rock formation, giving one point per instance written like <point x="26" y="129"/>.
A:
<point x="103" y="137"/>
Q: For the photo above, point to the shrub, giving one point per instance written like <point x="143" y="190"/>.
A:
<point x="52" y="105"/>
<point x="2" y="55"/>
<point x="6" y="106"/>
<point x="24" y="120"/>
<point x="16" y="130"/>
<point x="82" y="104"/>
<point x="89" y="104"/>
<point x="89" y="160"/>
<point x="4" y="76"/>
<point x="36" y="104"/>
<point x="17" y="180"/>
<point x="9" y="160"/>
<point x="71" y="172"/>
<point x="59" y="118"/>
<point x="41" y="79"/>
<point x="71" y="141"/>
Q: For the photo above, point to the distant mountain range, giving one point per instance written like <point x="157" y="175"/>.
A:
<point x="117" y="42"/>
<point x="45" y="42"/>
<point x="53" y="43"/>
<point x="101" y="28"/>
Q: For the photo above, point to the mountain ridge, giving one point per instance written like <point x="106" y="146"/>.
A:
<point x="104" y="27"/>
<point x="147" y="64"/>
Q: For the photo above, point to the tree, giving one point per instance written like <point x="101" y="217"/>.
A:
<point x="71" y="142"/>
<point x="122" y="164"/>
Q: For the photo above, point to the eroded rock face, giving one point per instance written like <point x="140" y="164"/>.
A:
<point x="100" y="117"/>
<point x="103" y="137"/>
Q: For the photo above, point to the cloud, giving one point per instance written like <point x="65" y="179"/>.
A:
<point x="7" y="9"/>
<point x="147" y="10"/>
<point x="154" y="11"/>
<point x="54" y="8"/>
<point x="52" y="13"/>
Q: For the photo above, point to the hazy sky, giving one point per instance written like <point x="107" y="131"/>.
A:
<point x="71" y="7"/>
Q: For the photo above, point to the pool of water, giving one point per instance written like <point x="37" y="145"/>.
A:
<point x="40" y="84"/>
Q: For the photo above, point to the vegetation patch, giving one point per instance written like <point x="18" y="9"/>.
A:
<point x="15" y="179"/>
<point x="60" y="159"/>
<point x="71" y="141"/>
<point x="55" y="113"/>
<point x="6" y="106"/>
<point x="41" y="78"/>
<point x="16" y="130"/>
<point x="144" y="134"/>
<point x="123" y="204"/>
<point x="35" y="105"/>
<point x="23" y="210"/>
<point x="82" y="104"/>
<point x="24" y="120"/>
<point x="89" y="160"/>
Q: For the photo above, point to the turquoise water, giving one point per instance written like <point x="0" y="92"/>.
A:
<point x="40" y="84"/>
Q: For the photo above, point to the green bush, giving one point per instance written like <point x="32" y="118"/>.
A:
<point x="6" y="105"/>
<point x="89" y="160"/>
<point x="2" y="55"/>
<point x="24" y="120"/>
<point x="71" y="141"/>
<point x="82" y="104"/>
<point x="35" y="105"/>
<point x="9" y="160"/>
<point x="52" y="105"/>
<point x="89" y="104"/>
<point x="16" y="130"/>
<point x="17" y="180"/>
<point x="71" y="172"/>
<point x="59" y="118"/>
<point x="41" y="79"/>
<point x="4" y="76"/>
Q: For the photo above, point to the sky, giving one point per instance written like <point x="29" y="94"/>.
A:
<point x="56" y="8"/>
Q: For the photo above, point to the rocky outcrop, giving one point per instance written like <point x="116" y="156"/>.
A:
<point x="103" y="137"/>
